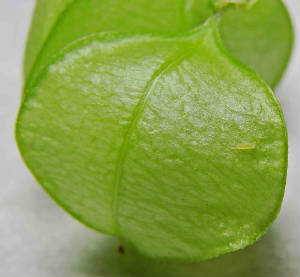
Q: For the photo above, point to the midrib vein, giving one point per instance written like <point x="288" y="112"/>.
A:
<point x="137" y="114"/>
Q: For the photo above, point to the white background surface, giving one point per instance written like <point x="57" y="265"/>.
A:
<point x="37" y="237"/>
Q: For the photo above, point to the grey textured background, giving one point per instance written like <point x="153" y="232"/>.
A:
<point x="37" y="237"/>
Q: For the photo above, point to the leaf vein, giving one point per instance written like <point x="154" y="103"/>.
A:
<point x="137" y="114"/>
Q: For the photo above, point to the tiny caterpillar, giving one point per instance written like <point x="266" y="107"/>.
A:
<point x="245" y="146"/>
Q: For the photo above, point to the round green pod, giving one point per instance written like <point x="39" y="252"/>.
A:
<point x="167" y="142"/>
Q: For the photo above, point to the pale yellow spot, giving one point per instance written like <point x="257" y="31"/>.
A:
<point x="245" y="146"/>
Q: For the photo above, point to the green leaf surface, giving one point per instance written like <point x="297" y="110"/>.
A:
<point x="260" y="36"/>
<point x="164" y="141"/>
<point x="45" y="16"/>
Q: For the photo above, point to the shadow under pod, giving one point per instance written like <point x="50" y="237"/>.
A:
<point x="259" y="259"/>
